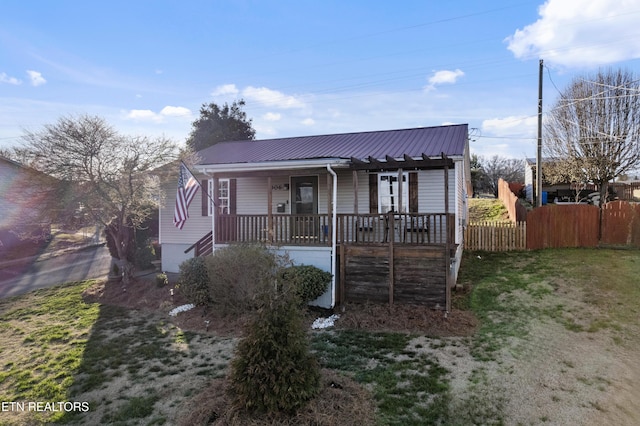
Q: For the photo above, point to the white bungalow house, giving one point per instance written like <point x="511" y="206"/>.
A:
<point x="384" y="211"/>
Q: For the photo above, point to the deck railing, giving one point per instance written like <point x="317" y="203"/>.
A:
<point x="297" y="229"/>
<point x="403" y="228"/>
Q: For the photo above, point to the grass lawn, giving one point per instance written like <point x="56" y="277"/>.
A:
<point x="557" y="343"/>
<point x="487" y="209"/>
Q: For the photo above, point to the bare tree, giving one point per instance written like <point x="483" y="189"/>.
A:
<point x="490" y="170"/>
<point x="592" y="134"/>
<point x="98" y="173"/>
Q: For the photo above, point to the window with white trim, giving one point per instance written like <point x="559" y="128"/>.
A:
<point x="388" y="192"/>
<point x="224" y="196"/>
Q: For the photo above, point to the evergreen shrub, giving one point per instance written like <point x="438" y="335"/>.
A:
<point x="309" y="282"/>
<point x="193" y="282"/>
<point x="273" y="370"/>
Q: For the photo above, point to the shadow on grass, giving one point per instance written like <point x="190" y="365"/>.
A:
<point x="138" y="365"/>
<point x="99" y="364"/>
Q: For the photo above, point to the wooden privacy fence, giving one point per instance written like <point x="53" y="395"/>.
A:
<point x="557" y="226"/>
<point x="620" y="224"/>
<point x="496" y="236"/>
<point x="517" y="212"/>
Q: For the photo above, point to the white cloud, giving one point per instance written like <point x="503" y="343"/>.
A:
<point x="143" y="115"/>
<point x="225" y="90"/>
<point x="175" y="111"/>
<point x="443" y="77"/>
<point x="36" y="78"/>
<point x="580" y="33"/>
<point x="272" y="98"/>
<point x="308" y="122"/>
<point x="513" y="136"/>
<point x="272" y="116"/>
<point x="151" y="116"/>
<point x="4" y="78"/>
<point x="514" y="125"/>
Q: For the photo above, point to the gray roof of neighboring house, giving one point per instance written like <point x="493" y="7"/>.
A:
<point x="430" y="141"/>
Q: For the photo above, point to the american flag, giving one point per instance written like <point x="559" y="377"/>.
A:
<point x="187" y="188"/>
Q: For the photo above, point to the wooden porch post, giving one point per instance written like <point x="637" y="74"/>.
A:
<point x="217" y="233"/>
<point x="355" y="192"/>
<point x="269" y="210"/>
<point x="343" y="261"/>
<point x="391" y="257"/>
<point x="329" y="208"/>
<point x="400" y="192"/>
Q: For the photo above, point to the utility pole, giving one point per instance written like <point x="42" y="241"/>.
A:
<point x="539" y="153"/>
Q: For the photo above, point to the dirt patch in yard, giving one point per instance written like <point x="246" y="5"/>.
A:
<point x="145" y="294"/>
<point x="408" y="319"/>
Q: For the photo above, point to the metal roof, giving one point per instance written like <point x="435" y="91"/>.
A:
<point x="428" y="141"/>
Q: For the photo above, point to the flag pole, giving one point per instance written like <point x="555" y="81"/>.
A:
<point x="213" y="210"/>
<point x="198" y="182"/>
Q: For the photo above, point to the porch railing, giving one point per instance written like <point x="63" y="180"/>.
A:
<point x="403" y="228"/>
<point x="276" y="229"/>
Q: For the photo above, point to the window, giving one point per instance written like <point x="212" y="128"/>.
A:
<point x="224" y="196"/>
<point x="388" y="193"/>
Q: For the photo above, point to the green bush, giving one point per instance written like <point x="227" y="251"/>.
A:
<point x="240" y="274"/>
<point x="273" y="370"/>
<point x="193" y="282"/>
<point x="309" y="282"/>
<point x="143" y="257"/>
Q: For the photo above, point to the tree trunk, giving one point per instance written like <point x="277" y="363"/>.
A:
<point x="604" y="193"/>
<point x="121" y="238"/>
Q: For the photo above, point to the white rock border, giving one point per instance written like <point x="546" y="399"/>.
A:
<point x="182" y="308"/>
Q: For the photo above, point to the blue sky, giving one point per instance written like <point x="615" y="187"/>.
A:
<point x="307" y="67"/>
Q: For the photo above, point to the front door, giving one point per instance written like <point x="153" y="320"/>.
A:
<point x="304" y="207"/>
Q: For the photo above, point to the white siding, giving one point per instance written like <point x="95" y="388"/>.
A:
<point x="196" y="226"/>
<point x="431" y="191"/>
<point x="528" y="182"/>
<point x="345" y="192"/>
<point x="251" y="195"/>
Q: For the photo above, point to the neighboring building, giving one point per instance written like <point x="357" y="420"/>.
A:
<point x="383" y="211"/>
<point x="19" y="203"/>
<point x="563" y="191"/>
<point x="572" y="192"/>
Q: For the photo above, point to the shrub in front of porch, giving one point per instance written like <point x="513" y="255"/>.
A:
<point x="239" y="274"/>
<point x="193" y="283"/>
<point x="309" y="282"/>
